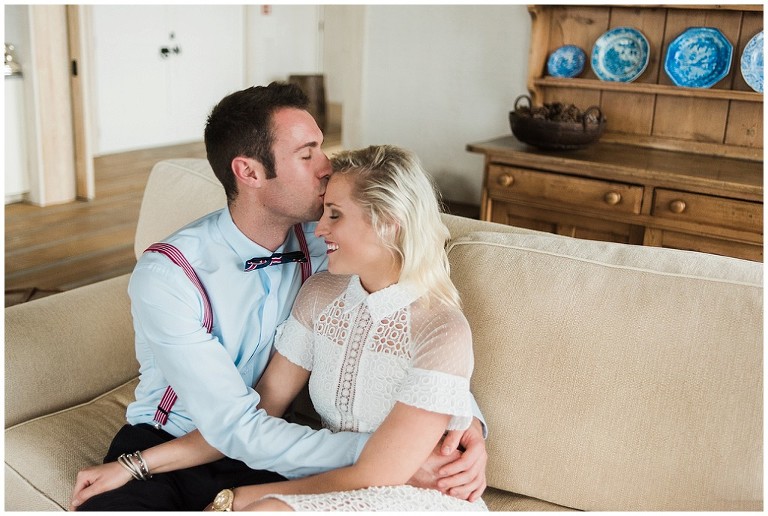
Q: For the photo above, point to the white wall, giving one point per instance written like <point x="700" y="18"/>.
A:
<point x="343" y="59"/>
<point x="282" y="41"/>
<point x="433" y="78"/>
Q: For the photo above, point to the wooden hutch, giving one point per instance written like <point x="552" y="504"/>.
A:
<point x="676" y="167"/>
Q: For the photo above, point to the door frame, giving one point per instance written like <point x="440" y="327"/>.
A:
<point x="79" y="35"/>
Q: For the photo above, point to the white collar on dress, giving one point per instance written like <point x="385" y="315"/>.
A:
<point x="382" y="303"/>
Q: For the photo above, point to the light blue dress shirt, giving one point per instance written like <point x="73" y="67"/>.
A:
<point x="213" y="374"/>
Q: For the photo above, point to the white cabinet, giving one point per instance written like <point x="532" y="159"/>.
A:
<point x="143" y="99"/>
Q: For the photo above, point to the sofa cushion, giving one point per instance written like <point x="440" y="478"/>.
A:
<point x="616" y="377"/>
<point x="42" y="479"/>
<point x="460" y="226"/>
<point x="178" y="192"/>
<point x="43" y="455"/>
<point x="53" y="343"/>
<point x="498" y="500"/>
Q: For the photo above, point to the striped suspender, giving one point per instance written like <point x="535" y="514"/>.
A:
<point x="169" y="397"/>
<point x="306" y="267"/>
<point x="176" y="256"/>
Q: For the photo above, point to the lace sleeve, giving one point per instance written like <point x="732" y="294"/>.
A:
<point x="441" y="365"/>
<point x="438" y="392"/>
<point x="294" y="341"/>
<point x="293" y="338"/>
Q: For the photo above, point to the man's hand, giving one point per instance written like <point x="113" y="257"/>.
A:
<point x="455" y="472"/>
<point x="96" y="480"/>
<point x="428" y="474"/>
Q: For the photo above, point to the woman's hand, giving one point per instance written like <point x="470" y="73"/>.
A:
<point x="96" y="480"/>
<point x="246" y="498"/>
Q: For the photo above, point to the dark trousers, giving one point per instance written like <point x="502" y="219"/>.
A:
<point x="184" y="490"/>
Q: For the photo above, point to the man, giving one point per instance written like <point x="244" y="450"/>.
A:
<point x="205" y="314"/>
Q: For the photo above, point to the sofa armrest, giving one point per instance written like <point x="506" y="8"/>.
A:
<point x="67" y="348"/>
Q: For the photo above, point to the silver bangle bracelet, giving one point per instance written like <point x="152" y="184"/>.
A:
<point x="134" y="463"/>
<point x="143" y="465"/>
<point x="125" y="462"/>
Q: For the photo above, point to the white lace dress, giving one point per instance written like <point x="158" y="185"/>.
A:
<point x="367" y="352"/>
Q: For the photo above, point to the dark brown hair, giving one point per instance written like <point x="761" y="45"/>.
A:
<point x="241" y="125"/>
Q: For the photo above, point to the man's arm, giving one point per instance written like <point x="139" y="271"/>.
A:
<point x="478" y="416"/>
<point x="459" y="472"/>
<point x="465" y="477"/>
<point x="278" y="386"/>
<point x="167" y="313"/>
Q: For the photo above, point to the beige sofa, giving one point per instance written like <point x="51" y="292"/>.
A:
<point x="612" y="377"/>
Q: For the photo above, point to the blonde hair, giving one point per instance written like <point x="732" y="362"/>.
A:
<point x="390" y="185"/>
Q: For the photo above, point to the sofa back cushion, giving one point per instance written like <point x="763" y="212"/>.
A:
<point x="615" y="377"/>
<point x="178" y="192"/>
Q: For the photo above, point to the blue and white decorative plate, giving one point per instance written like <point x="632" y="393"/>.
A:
<point x="698" y="58"/>
<point x="567" y="61"/>
<point x="620" y="55"/>
<point x="752" y="62"/>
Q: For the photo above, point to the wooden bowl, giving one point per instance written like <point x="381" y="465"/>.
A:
<point x="556" y="134"/>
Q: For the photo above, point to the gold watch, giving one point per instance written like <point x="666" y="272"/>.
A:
<point x="223" y="501"/>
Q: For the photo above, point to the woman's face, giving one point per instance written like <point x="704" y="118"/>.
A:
<point x="353" y="245"/>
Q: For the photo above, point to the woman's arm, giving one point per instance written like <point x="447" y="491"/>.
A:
<point x="280" y="384"/>
<point x="277" y="387"/>
<point x="391" y="456"/>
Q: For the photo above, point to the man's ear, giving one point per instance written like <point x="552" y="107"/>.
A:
<point x="248" y="171"/>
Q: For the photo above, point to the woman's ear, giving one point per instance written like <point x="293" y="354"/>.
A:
<point x="248" y="171"/>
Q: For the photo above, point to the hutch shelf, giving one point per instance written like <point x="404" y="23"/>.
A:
<point x="676" y="167"/>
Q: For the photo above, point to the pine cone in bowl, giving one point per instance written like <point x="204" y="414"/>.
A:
<point x="556" y="126"/>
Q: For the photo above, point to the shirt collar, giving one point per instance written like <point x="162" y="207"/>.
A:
<point x="381" y="303"/>
<point x="244" y="247"/>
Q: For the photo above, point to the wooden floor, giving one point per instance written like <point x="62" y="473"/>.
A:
<point x="69" y="245"/>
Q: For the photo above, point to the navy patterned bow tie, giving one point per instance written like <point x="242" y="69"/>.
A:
<point x="275" y="259"/>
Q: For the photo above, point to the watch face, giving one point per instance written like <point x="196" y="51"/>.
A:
<point x="223" y="500"/>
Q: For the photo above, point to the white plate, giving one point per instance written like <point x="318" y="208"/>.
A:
<point x="620" y="55"/>
<point x="752" y="62"/>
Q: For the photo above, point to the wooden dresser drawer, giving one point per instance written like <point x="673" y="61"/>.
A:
<point x="709" y="210"/>
<point x="514" y="183"/>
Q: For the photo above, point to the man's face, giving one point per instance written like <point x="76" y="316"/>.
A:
<point x="302" y="168"/>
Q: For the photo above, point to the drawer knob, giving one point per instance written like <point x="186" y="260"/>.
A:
<point x="612" y="198"/>
<point x="505" y="180"/>
<point x="677" y="206"/>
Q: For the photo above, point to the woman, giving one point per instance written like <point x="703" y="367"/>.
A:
<point x="383" y="335"/>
